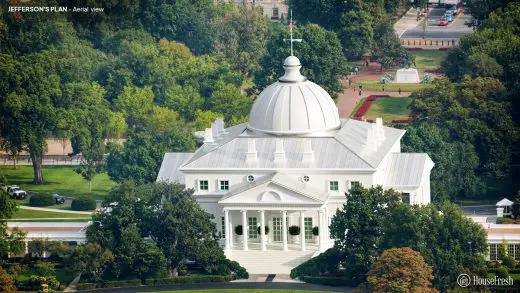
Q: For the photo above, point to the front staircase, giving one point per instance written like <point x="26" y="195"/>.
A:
<point x="271" y="261"/>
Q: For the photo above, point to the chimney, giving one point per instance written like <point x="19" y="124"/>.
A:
<point x="220" y="124"/>
<point x="308" y="153"/>
<point x="208" y="136"/>
<point x="214" y="130"/>
<point x="380" y="130"/>
<point x="251" y="154"/>
<point x="371" y="141"/>
<point x="279" y="153"/>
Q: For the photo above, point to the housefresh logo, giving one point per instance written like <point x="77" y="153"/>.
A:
<point x="465" y="280"/>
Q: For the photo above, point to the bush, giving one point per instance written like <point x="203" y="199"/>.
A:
<point x="86" y="286"/>
<point x="294" y="230"/>
<point x="266" y="230"/>
<point x="493" y="264"/>
<point x="83" y="203"/>
<point x="326" y="262"/>
<point x="189" y="279"/>
<point x="508" y="261"/>
<point x="504" y="220"/>
<point x="226" y="267"/>
<point x="502" y="272"/>
<point x="315" y="231"/>
<point x="34" y="283"/>
<point x="41" y="200"/>
<point x="122" y="283"/>
<point x="239" y="230"/>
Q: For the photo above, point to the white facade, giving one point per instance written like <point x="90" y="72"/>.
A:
<point x="273" y="9"/>
<point x="293" y="160"/>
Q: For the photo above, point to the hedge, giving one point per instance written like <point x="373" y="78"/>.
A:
<point x="41" y="200"/>
<point x="86" y="286"/>
<point x="511" y="270"/>
<point x="83" y="203"/>
<point x="122" y="283"/>
<point x="329" y="281"/>
<point x="326" y="262"/>
<point x="189" y="279"/>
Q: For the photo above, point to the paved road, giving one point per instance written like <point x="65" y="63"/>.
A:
<point x="212" y="286"/>
<point x="454" y="30"/>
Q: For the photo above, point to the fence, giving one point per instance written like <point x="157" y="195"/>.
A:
<point x="430" y="42"/>
<point x="47" y="160"/>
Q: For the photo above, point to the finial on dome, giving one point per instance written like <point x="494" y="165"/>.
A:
<point x="292" y="70"/>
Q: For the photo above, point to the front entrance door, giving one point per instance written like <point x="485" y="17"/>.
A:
<point x="252" y="227"/>
<point x="277" y="229"/>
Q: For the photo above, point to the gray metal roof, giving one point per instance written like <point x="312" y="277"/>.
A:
<point x="170" y="167"/>
<point x="351" y="147"/>
<point x="407" y="169"/>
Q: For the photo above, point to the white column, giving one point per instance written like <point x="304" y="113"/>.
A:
<point x="302" y="230"/>
<point x="227" y="248"/>
<point x="231" y="231"/>
<point x="262" y="231"/>
<point x="284" y="230"/>
<point x="26" y="247"/>
<point x="321" y="230"/>
<point x="244" y="228"/>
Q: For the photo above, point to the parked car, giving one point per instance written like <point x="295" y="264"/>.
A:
<point x="449" y="16"/>
<point x="11" y="188"/>
<point x="58" y="198"/>
<point x="443" y="22"/>
<point x="19" y="194"/>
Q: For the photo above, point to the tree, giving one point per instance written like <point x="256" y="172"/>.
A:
<point x="135" y="104"/>
<point x="12" y="242"/>
<point x="91" y="260"/>
<point x="516" y="206"/>
<point x="400" y="270"/>
<point x="6" y="282"/>
<point x="387" y="49"/>
<point x="226" y="99"/>
<point x="204" y="119"/>
<point x="185" y="100"/>
<point x="449" y="242"/>
<point x="480" y="9"/>
<point x="320" y="54"/>
<point x="357" y="227"/>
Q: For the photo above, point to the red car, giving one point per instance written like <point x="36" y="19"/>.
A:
<point x="443" y="22"/>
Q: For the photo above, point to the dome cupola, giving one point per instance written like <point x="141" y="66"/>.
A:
<point x="293" y="105"/>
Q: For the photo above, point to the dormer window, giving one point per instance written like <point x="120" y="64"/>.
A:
<point x="333" y="185"/>
<point x="224" y="184"/>
<point x="204" y="185"/>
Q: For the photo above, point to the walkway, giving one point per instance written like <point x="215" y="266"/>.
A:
<point x="232" y="285"/>
<point x="55" y="210"/>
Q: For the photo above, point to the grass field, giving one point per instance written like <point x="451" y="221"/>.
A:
<point x="428" y="59"/>
<point x="32" y="214"/>
<point x="389" y="108"/>
<point x="60" y="179"/>
<point x="375" y="85"/>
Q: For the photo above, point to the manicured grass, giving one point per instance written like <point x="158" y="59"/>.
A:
<point x="32" y="214"/>
<point x="59" y="179"/>
<point x="64" y="276"/>
<point x="428" y="59"/>
<point x="375" y="85"/>
<point x="389" y="108"/>
<point x="245" y="291"/>
<point x="55" y="206"/>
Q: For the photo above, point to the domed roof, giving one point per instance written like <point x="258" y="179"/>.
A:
<point x="293" y="105"/>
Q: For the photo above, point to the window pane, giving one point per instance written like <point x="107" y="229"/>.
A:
<point x="308" y="228"/>
<point x="222" y="226"/>
<point x="333" y="186"/>
<point x="405" y="197"/>
<point x="492" y="252"/>
<point x="203" y="184"/>
<point x="224" y="185"/>
<point x="252" y="226"/>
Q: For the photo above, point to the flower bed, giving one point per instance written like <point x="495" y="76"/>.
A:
<point x="368" y="102"/>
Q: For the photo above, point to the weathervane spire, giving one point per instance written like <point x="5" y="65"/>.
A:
<point x="291" y="39"/>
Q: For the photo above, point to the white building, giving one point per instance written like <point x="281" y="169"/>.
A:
<point x="273" y="9"/>
<point x="291" y="165"/>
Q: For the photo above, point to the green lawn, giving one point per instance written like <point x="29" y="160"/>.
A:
<point x="428" y="59"/>
<point x="32" y="214"/>
<point x="60" y="179"/>
<point x="375" y="85"/>
<point x="54" y="206"/>
<point x="64" y="276"/>
<point x="389" y="108"/>
<point x="244" y="291"/>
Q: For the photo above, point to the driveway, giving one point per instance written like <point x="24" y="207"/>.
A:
<point x="454" y="30"/>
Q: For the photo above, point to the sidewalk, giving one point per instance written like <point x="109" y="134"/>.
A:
<point x="408" y="21"/>
<point x="55" y="210"/>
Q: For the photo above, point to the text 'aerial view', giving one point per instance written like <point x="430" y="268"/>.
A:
<point x="268" y="146"/>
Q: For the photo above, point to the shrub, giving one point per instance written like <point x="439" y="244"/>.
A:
<point x="189" y="279"/>
<point x="327" y="262"/>
<point x="122" y="283"/>
<point x="502" y="272"/>
<point x="508" y="261"/>
<point x="239" y="230"/>
<point x="226" y="267"/>
<point x="294" y="230"/>
<point x="315" y="231"/>
<point x="34" y="283"/>
<point x="6" y="282"/>
<point x="504" y="220"/>
<point x="493" y="264"/>
<point x="83" y="203"/>
<point x="266" y="230"/>
<point x="86" y="286"/>
<point x="41" y="200"/>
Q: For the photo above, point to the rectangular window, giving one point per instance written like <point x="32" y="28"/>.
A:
<point x="277" y="229"/>
<point x="223" y="227"/>
<point x="252" y="226"/>
<point x="307" y="223"/>
<point x="492" y="252"/>
<point x="275" y="12"/>
<point x="500" y="251"/>
<point x="224" y="184"/>
<point x="405" y="197"/>
<point x="204" y="185"/>
<point x="333" y="185"/>
<point x="517" y="252"/>
<point x="355" y="184"/>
